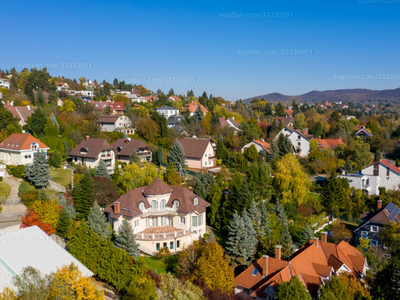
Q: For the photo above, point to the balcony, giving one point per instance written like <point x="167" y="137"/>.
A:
<point x="162" y="233"/>
<point x="166" y="211"/>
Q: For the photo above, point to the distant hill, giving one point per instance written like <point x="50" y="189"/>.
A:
<point x="354" y="95"/>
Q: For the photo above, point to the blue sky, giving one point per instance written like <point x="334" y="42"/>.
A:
<point x="192" y="40"/>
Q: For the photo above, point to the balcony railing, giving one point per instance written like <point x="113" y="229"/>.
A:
<point x="163" y="236"/>
<point x="166" y="211"/>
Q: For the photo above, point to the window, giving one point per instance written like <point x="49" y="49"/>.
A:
<point x="199" y="220"/>
<point x="163" y="220"/>
<point x="194" y="221"/>
<point x="196" y="201"/>
<point x="255" y="271"/>
<point x="170" y="220"/>
<point x="298" y="137"/>
<point x="154" y="205"/>
<point x="364" y="234"/>
<point x="205" y="155"/>
<point x="157" y="246"/>
<point x="162" y="205"/>
<point x="171" y="245"/>
<point x="107" y="162"/>
<point x="164" y="245"/>
<point x="387" y="172"/>
<point x="176" y="204"/>
<point x="298" y="144"/>
<point x="141" y="206"/>
<point x="178" y="244"/>
<point x="374" y="243"/>
<point x="205" y="163"/>
<point x="154" y="221"/>
<point x="374" y="228"/>
<point x="182" y="220"/>
<point x="136" y="223"/>
<point x="147" y="222"/>
<point x="376" y="170"/>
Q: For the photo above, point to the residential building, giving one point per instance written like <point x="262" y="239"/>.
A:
<point x="261" y="146"/>
<point x="192" y="106"/>
<point x="117" y="108"/>
<point x="328" y="143"/>
<point x="91" y="150"/>
<point x="123" y="149"/>
<point x="173" y="98"/>
<point x="31" y="246"/>
<point x="20" y="112"/>
<point x="136" y="98"/>
<point x="373" y="223"/>
<point x="364" y="134"/>
<point x="161" y="216"/>
<point x="114" y="122"/>
<point x="3" y="170"/>
<point x="299" y="139"/>
<point x="167" y="111"/>
<point x="19" y="149"/>
<point x="200" y="153"/>
<point x="288" y="112"/>
<point x="369" y="184"/>
<point x="388" y="173"/>
<point x="175" y="121"/>
<point x="62" y="86"/>
<point x="5" y="83"/>
<point x="314" y="263"/>
<point x="231" y="122"/>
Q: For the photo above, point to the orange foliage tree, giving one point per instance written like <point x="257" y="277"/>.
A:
<point x="32" y="218"/>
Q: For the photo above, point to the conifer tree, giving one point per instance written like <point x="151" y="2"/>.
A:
<point x="37" y="122"/>
<point x="160" y="155"/>
<point x="63" y="223"/>
<point x="215" y="200"/>
<point x="307" y="235"/>
<point x="221" y="151"/>
<point x="101" y="170"/>
<point x="241" y="238"/>
<point x="53" y="97"/>
<point x="256" y="217"/>
<point x="134" y="158"/>
<point x="198" y="115"/>
<point x="56" y="159"/>
<point x="98" y="222"/>
<point x="178" y="158"/>
<point x="38" y="174"/>
<point x="126" y="240"/>
<point x="265" y="222"/>
<point x="82" y="195"/>
<point x="286" y="242"/>
<point x="69" y="208"/>
<point x="40" y="98"/>
<point x="285" y="145"/>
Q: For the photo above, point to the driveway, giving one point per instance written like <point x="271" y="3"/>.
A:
<point x="9" y="207"/>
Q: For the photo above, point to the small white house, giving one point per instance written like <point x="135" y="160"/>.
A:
<point x="167" y="111"/>
<point x="388" y="173"/>
<point x="369" y="184"/>
<point x="114" y="122"/>
<point x="4" y="83"/>
<point x="299" y="139"/>
<point x="261" y="146"/>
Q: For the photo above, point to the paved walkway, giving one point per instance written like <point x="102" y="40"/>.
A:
<point x="12" y="198"/>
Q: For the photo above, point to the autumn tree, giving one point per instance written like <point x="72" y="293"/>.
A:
<point x="390" y="237"/>
<point x="31" y="284"/>
<point x="135" y="176"/>
<point x="291" y="182"/>
<point x="171" y="175"/>
<point x="339" y="232"/>
<point x="334" y="289"/>
<point x="172" y="288"/>
<point x="104" y="191"/>
<point x="147" y="129"/>
<point x="354" y="287"/>
<point x="292" y="290"/>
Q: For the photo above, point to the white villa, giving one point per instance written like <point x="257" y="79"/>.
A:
<point x="167" y="111"/>
<point x="299" y="139"/>
<point x="389" y="174"/>
<point x="369" y="184"/>
<point x="161" y="216"/>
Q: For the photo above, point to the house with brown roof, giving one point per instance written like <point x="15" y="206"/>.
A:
<point x="20" y="112"/>
<point x="115" y="122"/>
<point x="374" y="222"/>
<point x="161" y="216"/>
<point x="117" y="108"/>
<point x="389" y="174"/>
<point x="231" y="122"/>
<point x="200" y="153"/>
<point x="91" y="150"/>
<point x="19" y="149"/>
<point x="192" y="106"/>
<point x="329" y="143"/>
<point x="123" y="149"/>
<point x="261" y="146"/>
<point x="300" y="139"/>
<point x="364" y="134"/>
<point x="314" y="264"/>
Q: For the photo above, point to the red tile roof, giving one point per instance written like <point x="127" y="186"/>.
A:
<point x="21" y="141"/>
<point x="329" y="143"/>
<point x="192" y="106"/>
<point x="119" y="106"/>
<point x="266" y="146"/>
<point x="389" y="165"/>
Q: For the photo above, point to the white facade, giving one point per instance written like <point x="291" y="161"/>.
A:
<point x="107" y="156"/>
<point x="167" y="111"/>
<point x="388" y="176"/>
<point x="260" y="149"/>
<point x="122" y="122"/>
<point x="4" y="83"/>
<point x="300" y="144"/>
<point x="369" y="184"/>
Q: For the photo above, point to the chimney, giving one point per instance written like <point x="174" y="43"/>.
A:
<point x="305" y="130"/>
<point x="8" y="103"/>
<point x="116" y="207"/>
<point x="278" y="252"/>
<point x="379" y="204"/>
<point x="87" y="138"/>
<point x="315" y="241"/>
<point x="324" y="237"/>
<point x="28" y="107"/>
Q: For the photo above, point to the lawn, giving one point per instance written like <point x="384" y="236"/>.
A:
<point x="61" y="176"/>
<point x="156" y="265"/>
<point x="50" y="192"/>
<point x="5" y="189"/>
<point x="314" y="196"/>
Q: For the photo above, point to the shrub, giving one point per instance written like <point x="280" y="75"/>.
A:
<point x="25" y="188"/>
<point x="17" y="171"/>
<point x="29" y="198"/>
<point x="1" y="178"/>
<point x="382" y="190"/>
<point x="163" y="252"/>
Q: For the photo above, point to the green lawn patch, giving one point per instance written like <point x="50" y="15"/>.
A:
<point x="156" y="265"/>
<point x="61" y="176"/>
<point x="50" y="192"/>
<point x="5" y="189"/>
<point x="314" y="196"/>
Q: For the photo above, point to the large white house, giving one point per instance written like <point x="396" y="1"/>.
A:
<point x="167" y="111"/>
<point x="389" y="174"/>
<point x="114" y="122"/>
<point x="91" y="150"/>
<point x="19" y="149"/>
<point x="4" y="83"/>
<point x="299" y="139"/>
<point x="161" y="216"/>
<point x="369" y="184"/>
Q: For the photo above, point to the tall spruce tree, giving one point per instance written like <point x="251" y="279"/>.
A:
<point x="333" y="194"/>
<point x="40" y="98"/>
<point x="82" y="195"/>
<point x="98" y="222"/>
<point x="63" y="223"/>
<point x="256" y="218"/>
<point x="286" y="242"/>
<point x="53" y="97"/>
<point x="134" y="158"/>
<point x="37" y="121"/>
<point x="38" y="174"/>
<point x="101" y="170"/>
<point x="178" y="158"/>
<point x="285" y="145"/>
<point x="306" y="236"/>
<point x="160" y="155"/>
<point x="241" y="241"/>
<point x="265" y="221"/>
<point x="69" y="208"/>
<point x="273" y="154"/>
<point x="221" y="151"/>
<point x="215" y="199"/>
<point x="198" y="115"/>
<point x="126" y="240"/>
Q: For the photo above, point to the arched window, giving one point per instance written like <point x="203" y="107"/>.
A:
<point x="162" y="205"/>
<point x="154" y="205"/>
<point x="34" y="146"/>
<point x="176" y="204"/>
<point x="196" y="201"/>
<point x="141" y="206"/>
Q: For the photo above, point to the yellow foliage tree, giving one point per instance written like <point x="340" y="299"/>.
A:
<point x="135" y="176"/>
<point x="68" y="106"/>
<point x="8" y="294"/>
<point x="353" y="285"/>
<point x="69" y="283"/>
<point x="25" y="103"/>
<point x="48" y="212"/>
<point x="292" y="182"/>
<point x="213" y="269"/>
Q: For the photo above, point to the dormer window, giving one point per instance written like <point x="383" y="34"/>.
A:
<point x="154" y="205"/>
<point x="176" y="204"/>
<point x="119" y="149"/>
<point x="141" y="206"/>
<point x="34" y="146"/>
<point x="196" y="201"/>
<point x="84" y="150"/>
